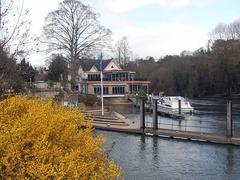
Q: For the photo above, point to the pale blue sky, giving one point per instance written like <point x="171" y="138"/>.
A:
<point x="154" y="27"/>
<point x="202" y="12"/>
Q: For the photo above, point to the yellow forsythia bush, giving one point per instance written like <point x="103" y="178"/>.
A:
<point x="45" y="141"/>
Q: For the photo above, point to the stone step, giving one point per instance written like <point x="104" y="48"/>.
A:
<point x="101" y="117"/>
<point x="95" y="111"/>
<point x="105" y="117"/>
<point x="106" y="120"/>
<point x="98" y="114"/>
<point x="102" y="123"/>
<point x="92" y="112"/>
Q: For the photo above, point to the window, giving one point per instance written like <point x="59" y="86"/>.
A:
<point x="97" y="90"/>
<point x="76" y="88"/>
<point x="105" y="90"/>
<point x="94" y="77"/>
<point x="118" y="90"/>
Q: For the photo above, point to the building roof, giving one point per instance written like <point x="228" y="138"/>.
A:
<point x="41" y="76"/>
<point x="87" y="64"/>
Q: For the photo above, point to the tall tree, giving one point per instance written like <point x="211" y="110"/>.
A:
<point x="9" y="76"/>
<point x="26" y="71"/>
<point x="227" y="54"/>
<point x="57" y="69"/>
<point x="75" y="30"/>
<point x="123" y="51"/>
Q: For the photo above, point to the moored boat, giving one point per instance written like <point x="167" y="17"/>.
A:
<point x="171" y="103"/>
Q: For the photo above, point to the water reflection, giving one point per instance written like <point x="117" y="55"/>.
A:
<point x="229" y="160"/>
<point x="155" y="150"/>
<point x="142" y="152"/>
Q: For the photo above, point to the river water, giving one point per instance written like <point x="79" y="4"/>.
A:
<point x="148" y="157"/>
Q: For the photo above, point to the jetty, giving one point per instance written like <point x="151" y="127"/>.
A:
<point x="118" y="123"/>
<point x="178" y="135"/>
<point x="113" y="121"/>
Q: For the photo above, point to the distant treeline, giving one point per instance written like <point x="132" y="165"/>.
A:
<point x="215" y="71"/>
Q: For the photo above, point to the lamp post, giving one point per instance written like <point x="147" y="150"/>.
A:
<point x="136" y="99"/>
<point x="150" y="101"/>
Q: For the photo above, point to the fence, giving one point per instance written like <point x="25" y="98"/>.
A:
<point x="213" y="124"/>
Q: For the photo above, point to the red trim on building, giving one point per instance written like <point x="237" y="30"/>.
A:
<point x="114" y="82"/>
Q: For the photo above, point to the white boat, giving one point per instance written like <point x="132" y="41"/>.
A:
<point x="170" y="103"/>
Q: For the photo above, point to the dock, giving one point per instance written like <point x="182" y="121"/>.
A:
<point x="113" y="121"/>
<point x="178" y="135"/>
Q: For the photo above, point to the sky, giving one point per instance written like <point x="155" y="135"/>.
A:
<point x="153" y="27"/>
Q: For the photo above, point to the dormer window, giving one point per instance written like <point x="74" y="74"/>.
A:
<point x="112" y="66"/>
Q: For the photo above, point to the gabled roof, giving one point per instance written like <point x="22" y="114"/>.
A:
<point x="41" y="76"/>
<point x="93" y="69"/>
<point x="112" y="66"/>
<point x="93" y="64"/>
<point x="88" y="64"/>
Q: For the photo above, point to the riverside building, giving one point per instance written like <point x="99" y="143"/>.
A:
<point x="117" y="81"/>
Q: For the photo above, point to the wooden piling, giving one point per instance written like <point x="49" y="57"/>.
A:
<point x="155" y="114"/>
<point x="142" y="114"/>
<point x="179" y="107"/>
<point x="229" y="119"/>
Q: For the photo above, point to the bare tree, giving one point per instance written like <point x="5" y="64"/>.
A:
<point x="236" y="28"/>
<point x="123" y="51"/>
<point x="74" y="29"/>
<point x="226" y="31"/>
<point x="14" y="26"/>
<point x="219" y="32"/>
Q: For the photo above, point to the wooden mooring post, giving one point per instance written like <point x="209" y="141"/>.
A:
<point x="142" y="114"/>
<point x="155" y="114"/>
<point x="179" y="106"/>
<point x="229" y="119"/>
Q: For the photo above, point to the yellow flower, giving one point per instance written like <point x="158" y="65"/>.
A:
<point x="43" y="140"/>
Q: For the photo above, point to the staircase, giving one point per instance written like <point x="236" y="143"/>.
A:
<point x="109" y="119"/>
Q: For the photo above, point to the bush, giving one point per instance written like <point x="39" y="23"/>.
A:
<point x="88" y="100"/>
<point x="45" y="141"/>
<point x="91" y="100"/>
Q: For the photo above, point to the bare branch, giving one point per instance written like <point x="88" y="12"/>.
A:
<point x="74" y="28"/>
<point x="14" y="26"/>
